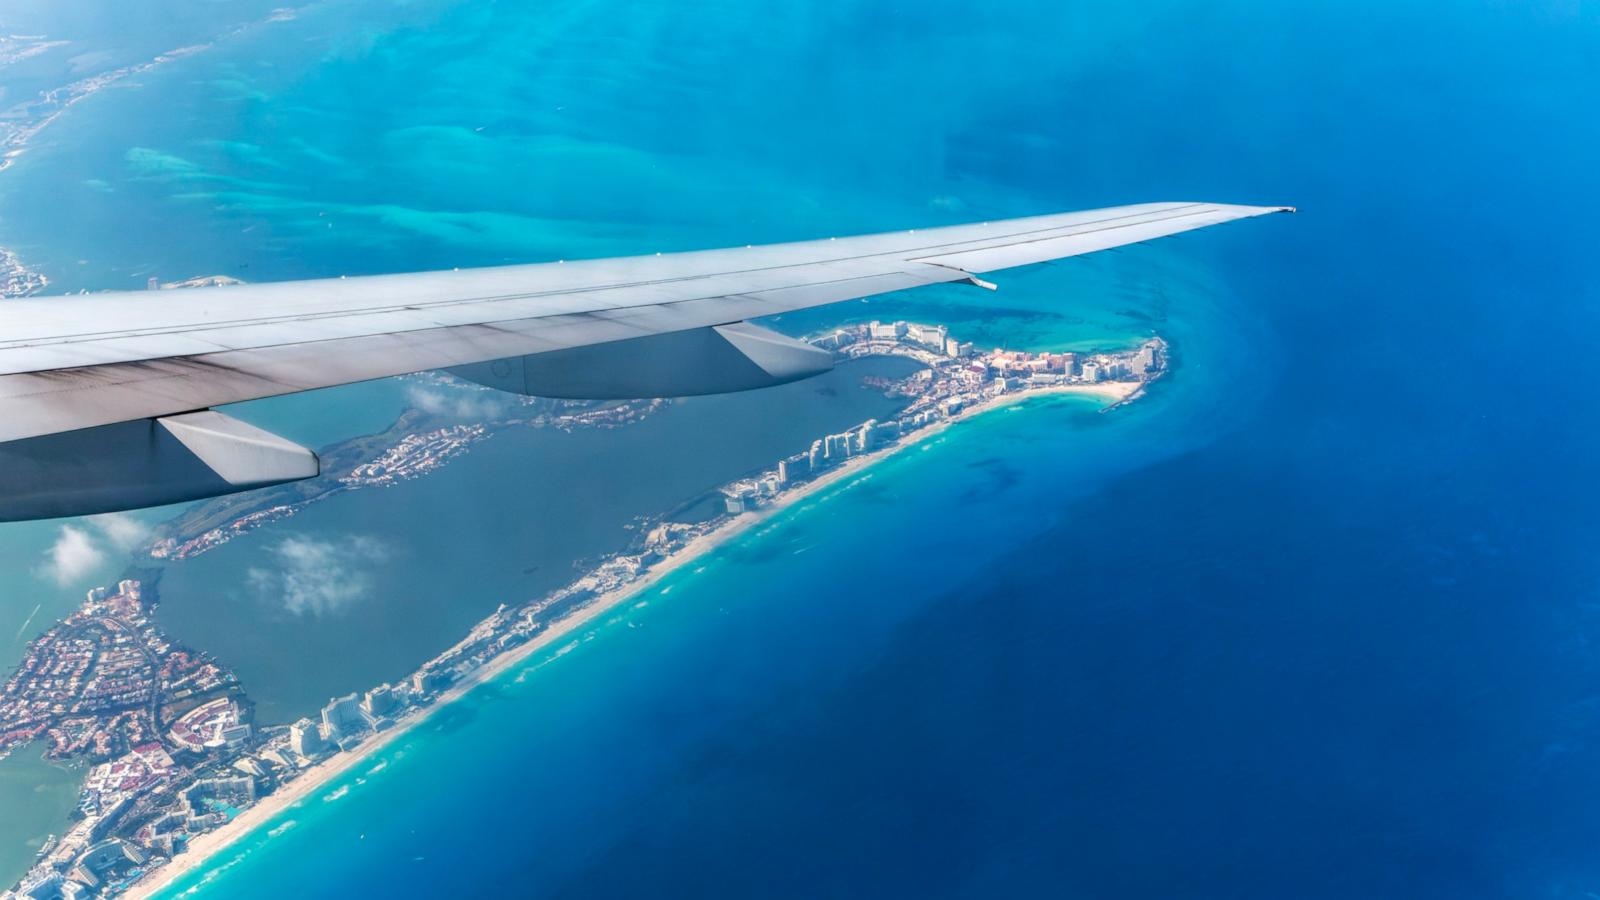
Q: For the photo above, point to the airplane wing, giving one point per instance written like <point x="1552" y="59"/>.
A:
<point x="105" y="399"/>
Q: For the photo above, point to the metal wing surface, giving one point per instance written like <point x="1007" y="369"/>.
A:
<point x="72" y="364"/>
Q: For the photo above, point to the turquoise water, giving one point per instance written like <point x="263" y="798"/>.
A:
<point x="37" y="796"/>
<point x="1312" y="620"/>
<point x="752" y="621"/>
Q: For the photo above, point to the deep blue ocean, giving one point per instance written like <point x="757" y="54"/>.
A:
<point x="1317" y="619"/>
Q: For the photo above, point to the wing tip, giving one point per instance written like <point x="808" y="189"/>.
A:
<point x="1241" y="210"/>
<point x="1269" y="210"/>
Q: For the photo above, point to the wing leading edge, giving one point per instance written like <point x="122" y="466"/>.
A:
<point x="69" y="364"/>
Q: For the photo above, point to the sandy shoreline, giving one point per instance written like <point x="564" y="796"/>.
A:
<point x="205" y="846"/>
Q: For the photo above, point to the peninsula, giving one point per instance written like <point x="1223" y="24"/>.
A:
<point x="177" y="778"/>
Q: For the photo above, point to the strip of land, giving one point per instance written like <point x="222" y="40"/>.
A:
<point x="183" y="772"/>
<point x="315" y="779"/>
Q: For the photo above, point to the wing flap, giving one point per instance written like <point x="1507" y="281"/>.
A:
<point x="127" y="465"/>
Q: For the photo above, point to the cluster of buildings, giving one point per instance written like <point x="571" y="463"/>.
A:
<point x="213" y="724"/>
<point x="416" y="455"/>
<point x="890" y="336"/>
<point x="172" y="548"/>
<point x="955" y="381"/>
<point x="87" y="877"/>
<point x="141" y="807"/>
<point x="141" y="768"/>
<point x="96" y="683"/>
<point x="347" y="720"/>
<point x="16" y="279"/>
<point x="100" y="685"/>
<point x="152" y="814"/>
<point x="614" y="416"/>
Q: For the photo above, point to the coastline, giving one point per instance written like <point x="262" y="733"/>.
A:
<point x="204" y="847"/>
<point x="23" y="121"/>
<point x="16" y="279"/>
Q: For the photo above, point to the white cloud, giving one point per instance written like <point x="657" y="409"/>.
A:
<point x="319" y="577"/>
<point x="459" y="403"/>
<point x="72" y="557"/>
<point x="80" y="549"/>
<point x="123" y="531"/>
